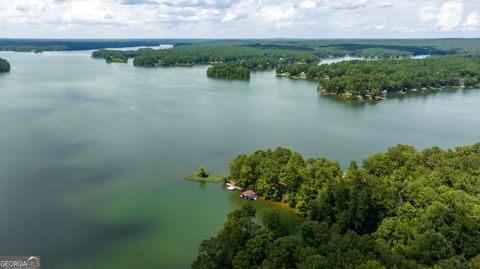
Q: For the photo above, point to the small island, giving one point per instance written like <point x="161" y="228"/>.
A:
<point x="4" y="66"/>
<point x="203" y="176"/>
<point x="229" y="71"/>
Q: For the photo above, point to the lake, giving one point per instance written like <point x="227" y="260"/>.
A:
<point x="93" y="154"/>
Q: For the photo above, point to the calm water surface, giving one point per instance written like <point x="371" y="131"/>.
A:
<point x="92" y="154"/>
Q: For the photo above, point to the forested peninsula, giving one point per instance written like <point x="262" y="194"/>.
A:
<point x="4" y="65"/>
<point x="402" y="209"/>
<point x="371" y="79"/>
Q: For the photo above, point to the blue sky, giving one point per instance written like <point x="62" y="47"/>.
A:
<point x="239" y="18"/>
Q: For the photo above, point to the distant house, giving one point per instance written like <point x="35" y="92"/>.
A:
<point x="249" y="195"/>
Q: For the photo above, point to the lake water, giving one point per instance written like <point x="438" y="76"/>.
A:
<point x="159" y="47"/>
<point x="351" y="58"/>
<point x="92" y="155"/>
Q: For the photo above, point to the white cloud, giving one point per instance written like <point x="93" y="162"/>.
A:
<point x="281" y="16"/>
<point x="380" y="27"/>
<point x="88" y="12"/>
<point x="385" y="4"/>
<point x="404" y="29"/>
<point x="308" y="4"/>
<point x="428" y="13"/>
<point x="446" y="17"/>
<point x="239" y="18"/>
<point x="473" y="20"/>
<point x="348" y="4"/>
<point x="449" y="16"/>
<point x="241" y="10"/>
<point x="342" y="22"/>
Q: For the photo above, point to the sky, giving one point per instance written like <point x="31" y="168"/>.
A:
<point x="239" y="18"/>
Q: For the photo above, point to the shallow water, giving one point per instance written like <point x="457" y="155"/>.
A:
<point x="93" y="154"/>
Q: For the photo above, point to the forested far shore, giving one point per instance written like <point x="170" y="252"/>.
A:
<point x="401" y="209"/>
<point x="278" y="51"/>
<point x="369" y="79"/>
<point x="254" y="58"/>
<point x="4" y="65"/>
<point x="320" y="48"/>
<point x="40" y="45"/>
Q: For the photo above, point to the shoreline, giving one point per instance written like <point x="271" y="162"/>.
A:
<point x="378" y="98"/>
<point x="211" y="178"/>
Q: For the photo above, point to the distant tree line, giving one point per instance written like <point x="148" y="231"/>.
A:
<point x="367" y="48"/>
<point x="203" y="54"/>
<point x="268" y="54"/>
<point x="4" y="65"/>
<point x="372" y="77"/>
<point x="31" y="48"/>
<point x="39" y="45"/>
<point x="402" y="209"/>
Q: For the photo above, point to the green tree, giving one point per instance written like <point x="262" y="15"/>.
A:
<point x="283" y="253"/>
<point x="4" y="65"/>
<point x="202" y="172"/>
<point x="371" y="264"/>
<point x="274" y="223"/>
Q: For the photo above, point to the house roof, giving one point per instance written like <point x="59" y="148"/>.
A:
<point x="249" y="193"/>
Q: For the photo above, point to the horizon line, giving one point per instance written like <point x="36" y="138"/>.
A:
<point x="239" y="38"/>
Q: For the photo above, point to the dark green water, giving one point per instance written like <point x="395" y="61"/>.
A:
<point x="92" y="154"/>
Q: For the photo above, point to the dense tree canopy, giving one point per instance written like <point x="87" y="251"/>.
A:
<point x="117" y="55"/>
<point x="262" y="54"/>
<point x="4" y="65"/>
<point x="401" y="209"/>
<point x="228" y="71"/>
<point x="321" y="47"/>
<point x="370" y="78"/>
<point x="226" y="53"/>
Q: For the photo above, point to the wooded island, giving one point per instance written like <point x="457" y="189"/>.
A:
<point x="4" y="65"/>
<point x="229" y="71"/>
